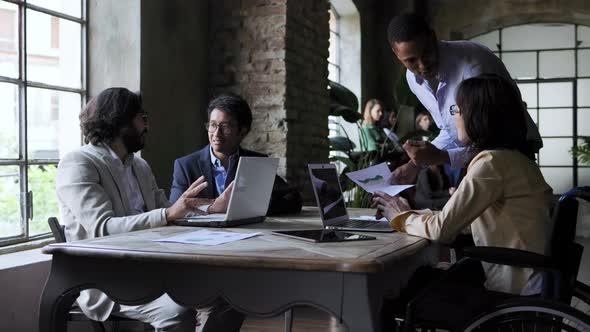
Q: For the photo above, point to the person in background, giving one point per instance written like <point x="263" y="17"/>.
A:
<point x="104" y="189"/>
<point x="503" y="196"/>
<point x="434" y="71"/>
<point x="391" y="137"/>
<point x="422" y="132"/>
<point x="423" y="121"/>
<point x="229" y="121"/>
<point x="373" y="136"/>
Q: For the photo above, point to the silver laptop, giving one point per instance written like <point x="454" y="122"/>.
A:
<point x="328" y="195"/>
<point x="249" y="198"/>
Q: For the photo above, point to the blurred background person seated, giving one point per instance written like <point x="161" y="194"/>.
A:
<point x="373" y="136"/>
<point x="392" y="139"/>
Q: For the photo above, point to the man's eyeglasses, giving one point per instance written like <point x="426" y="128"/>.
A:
<point x="454" y="109"/>
<point x="225" y="128"/>
<point x="144" y="115"/>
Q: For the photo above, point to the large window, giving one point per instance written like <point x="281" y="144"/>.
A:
<point x="334" y="123"/>
<point x="551" y="64"/>
<point x="42" y="88"/>
<point x="334" y="57"/>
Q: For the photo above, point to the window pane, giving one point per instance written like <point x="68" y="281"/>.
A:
<point x="42" y="184"/>
<point x="584" y="121"/>
<point x="53" y="127"/>
<point x="521" y="65"/>
<point x="556" y="64"/>
<point x="583" y="62"/>
<point x="538" y="36"/>
<point x="583" y="176"/>
<point x="556" y="122"/>
<point x="555" y="152"/>
<point x="333" y="20"/>
<point x="584" y="36"/>
<point x="560" y="179"/>
<point x="490" y="39"/>
<point x="10" y="201"/>
<point x="528" y="92"/>
<point x="53" y="46"/>
<point x="584" y="92"/>
<point x="533" y="112"/>
<point x="8" y="39"/>
<point x="9" y="130"/>
<point x="70" y="7"/>
<point x="555" y="94"/>
<point x="333" y="73"/>
<point x="334" y="56"/>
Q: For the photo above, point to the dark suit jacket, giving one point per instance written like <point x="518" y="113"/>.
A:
<point x="189" y="168"/>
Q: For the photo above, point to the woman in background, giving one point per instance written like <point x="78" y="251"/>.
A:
<point x="373" y="136"/>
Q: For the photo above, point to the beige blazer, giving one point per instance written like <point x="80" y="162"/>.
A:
<point x="93" y="202"/>
<point x="505" y="200"/>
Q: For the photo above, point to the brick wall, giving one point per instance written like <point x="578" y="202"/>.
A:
<point x="274" y="53"/>
<point x="307" y="100"/>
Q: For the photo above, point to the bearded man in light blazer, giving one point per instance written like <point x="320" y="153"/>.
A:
<point x="104" y="189"/>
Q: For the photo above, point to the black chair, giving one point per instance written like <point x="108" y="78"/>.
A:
<point x="75" y="314"/>
<point x="560" y="270"/>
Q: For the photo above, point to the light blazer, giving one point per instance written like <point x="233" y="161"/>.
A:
<point x="93" y="203"/>
<point x="187" y="169"/>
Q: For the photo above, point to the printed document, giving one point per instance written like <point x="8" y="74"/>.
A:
<point x="376" y="178"/>
<point x="207" y="237"/>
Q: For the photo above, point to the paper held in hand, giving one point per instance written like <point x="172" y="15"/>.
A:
<point x="376" y="178"/>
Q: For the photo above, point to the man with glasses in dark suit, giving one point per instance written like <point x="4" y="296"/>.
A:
<point x="229" y="121"/>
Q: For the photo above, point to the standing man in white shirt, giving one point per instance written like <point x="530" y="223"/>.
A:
<point x="434" y="70"/>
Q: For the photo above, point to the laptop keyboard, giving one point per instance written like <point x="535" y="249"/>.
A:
<point x="356" y="223"/>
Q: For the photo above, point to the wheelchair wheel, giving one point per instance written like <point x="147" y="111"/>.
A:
<point x="530" y="315"/>
<point x="581" y="297"/>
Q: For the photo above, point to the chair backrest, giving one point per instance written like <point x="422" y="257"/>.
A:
<point x="564" y="250"/>
<point x="57" y="229"/>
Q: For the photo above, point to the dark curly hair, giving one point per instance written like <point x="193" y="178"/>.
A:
<point x="493" y="112"/>
<point x="106" y="114"/>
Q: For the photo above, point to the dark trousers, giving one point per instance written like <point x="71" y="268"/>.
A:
<point x="442" y="299"/>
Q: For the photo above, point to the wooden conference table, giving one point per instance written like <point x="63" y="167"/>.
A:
<point x="262" y="276"/>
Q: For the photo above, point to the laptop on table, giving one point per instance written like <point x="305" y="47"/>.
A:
<point x="330" y="201"/>
<point x="250" y="196"/>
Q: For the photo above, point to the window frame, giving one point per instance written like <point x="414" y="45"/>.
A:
<point x="538" y="80"/>
<point x="336" y="32"/>
<point x="24" y="162"/>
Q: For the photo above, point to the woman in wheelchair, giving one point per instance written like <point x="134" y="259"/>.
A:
<point x="503" y="197"/>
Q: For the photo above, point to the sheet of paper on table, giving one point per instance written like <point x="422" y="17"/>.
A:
<point x="376" y="178"/>
<point x="207" y="237"/>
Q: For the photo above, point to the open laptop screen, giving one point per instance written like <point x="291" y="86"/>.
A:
<point x="326" y="187"/>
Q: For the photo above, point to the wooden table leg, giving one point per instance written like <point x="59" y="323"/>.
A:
<point x="57" y="298"/>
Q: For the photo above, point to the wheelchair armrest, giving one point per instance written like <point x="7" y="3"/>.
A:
<point x="582" y="291"/>
<point x="512" y="257"/>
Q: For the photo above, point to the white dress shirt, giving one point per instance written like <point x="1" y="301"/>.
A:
<point x="134" y="196"/>
<point x="458" y="60"/>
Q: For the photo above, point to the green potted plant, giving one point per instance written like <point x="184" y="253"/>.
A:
<point x="582" y="151"/>
<point x="344" y="104"/>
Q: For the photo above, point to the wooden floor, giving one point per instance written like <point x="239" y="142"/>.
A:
<point x="305" y="319"/>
